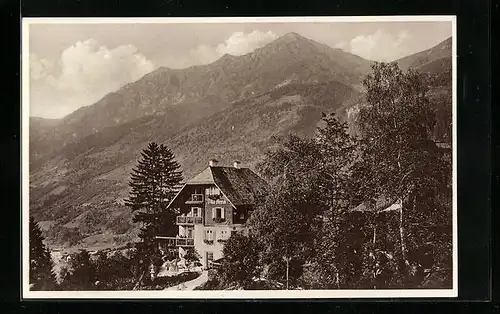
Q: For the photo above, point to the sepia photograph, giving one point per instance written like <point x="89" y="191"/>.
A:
<point x="208" y="158"/>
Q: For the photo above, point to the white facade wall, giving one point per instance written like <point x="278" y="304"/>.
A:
<point x="216" y="248"/>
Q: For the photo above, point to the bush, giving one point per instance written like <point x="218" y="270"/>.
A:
<point x="115" y="271"/>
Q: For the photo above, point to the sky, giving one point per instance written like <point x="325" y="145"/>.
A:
<point x="74" y="65"/>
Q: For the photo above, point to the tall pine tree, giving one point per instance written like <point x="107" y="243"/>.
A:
<point x="41" y="275"/>
<point x="154" y="182"/>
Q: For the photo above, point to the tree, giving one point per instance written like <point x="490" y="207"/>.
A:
<point x="42" y="276"/>
<point x="299" y="221"/>
<point x="241" y="260"/>
<point x="285" y="222"/>
<point x="400" y="160"/>
<point x="82" y="273"/>
<point x="285" y="226"/>
<point x="154" y="182"/>
<point x="312" y="192"/>
<point x="192" y="258"/>
<point x="115" y="271"/>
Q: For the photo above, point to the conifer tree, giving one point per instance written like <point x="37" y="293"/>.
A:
<point x="41" y="275"/>
<point x="154" y="182"/>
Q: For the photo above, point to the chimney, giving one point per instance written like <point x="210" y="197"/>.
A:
<point x="212" y="162"/>
<point x="236" y="164"/>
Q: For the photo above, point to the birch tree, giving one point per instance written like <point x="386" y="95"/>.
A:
<point x="396" y="125"/>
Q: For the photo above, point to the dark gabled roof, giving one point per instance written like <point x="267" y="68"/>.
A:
<point x="240" y="185"/>
<point x="204" y="177"/>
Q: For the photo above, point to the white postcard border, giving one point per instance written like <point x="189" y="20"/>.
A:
<point x="250" y="294"/>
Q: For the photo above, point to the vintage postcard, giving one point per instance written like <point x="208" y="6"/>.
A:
<point x="239" y="158"/>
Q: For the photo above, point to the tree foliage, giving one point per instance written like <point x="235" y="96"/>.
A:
<point x="311" y="190"/>
<point x="118" y="270"/>
<point x="240" y="263"/>
<point x="41" y="273"/>
<point x="400" y="160"/>
<point x="154" y="182"/>
<point x="81" y="274"/>
<point x="325" y="208"/>
<point x="192" y="258"/>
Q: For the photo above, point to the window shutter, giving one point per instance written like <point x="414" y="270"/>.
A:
<point x="222" y="213"/>
<point x="213" y="213"/>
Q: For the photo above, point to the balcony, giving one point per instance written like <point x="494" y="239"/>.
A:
<point x="168" y="242"/>
<point x="165" y="242"/>
<point x="195" y="199"/>
<point x="184" y="242"/>
<point x="183" y="220"/>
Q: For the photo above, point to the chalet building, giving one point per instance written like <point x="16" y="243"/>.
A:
<point x="213" y="205"/>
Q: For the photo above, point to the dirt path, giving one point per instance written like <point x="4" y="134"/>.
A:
<point x="190" y="285"/>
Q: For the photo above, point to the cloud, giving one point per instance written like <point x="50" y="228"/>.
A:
<point x="83" y="74"/>
<point x="86" y="71"/>
<point x="203" y="54"/>
<point x="40" y="68"/>
<point x="239" y="43"/>
<point x="379" y="46"/>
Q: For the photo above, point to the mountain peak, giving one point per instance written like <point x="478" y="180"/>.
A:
<point x="292" y="36"/>
<point x="227" y="56"/>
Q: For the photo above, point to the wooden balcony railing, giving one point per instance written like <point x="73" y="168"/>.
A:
<point x="184" y="242"/>
<point x="183" y="220"/>
<point x="166" y="242"/>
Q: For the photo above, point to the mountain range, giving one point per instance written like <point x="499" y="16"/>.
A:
<point x="228" y="110"/>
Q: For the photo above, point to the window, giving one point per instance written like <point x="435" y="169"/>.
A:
<point x="189" y="232"/>
<point x="209" y="235"/>
<point x="210" y="256"/>
<point x="196" y="211"/>
<point x="218" y="213"/>
<point x="242" y="215"/>
<point x="197" y="195"/>
<point x="212" y="191"/>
